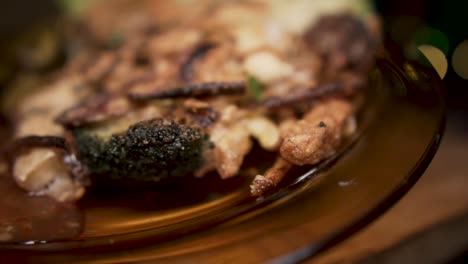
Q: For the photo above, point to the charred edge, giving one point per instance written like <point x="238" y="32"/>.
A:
<point x="186" y="68"/>
<point x="150" y="150"/>
<point x="78" y="170"/>
<point x="194" y="90"/>
<point x="307" y="96"/>
<point x="42" y="141"/>
<point x="78" y="114"/>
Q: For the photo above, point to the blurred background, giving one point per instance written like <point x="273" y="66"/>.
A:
<point x="438" y="24"/>
<point x="437" y="29"/>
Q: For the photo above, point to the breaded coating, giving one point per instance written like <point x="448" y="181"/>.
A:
<point x="264" y="183"/>
<point x="317" y="135"/>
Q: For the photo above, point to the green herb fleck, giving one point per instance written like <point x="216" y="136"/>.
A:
<point x="255" y="87"/>
<point x="115" y="40"/>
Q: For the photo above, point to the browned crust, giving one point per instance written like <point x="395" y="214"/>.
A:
<point x="262" y="184"/>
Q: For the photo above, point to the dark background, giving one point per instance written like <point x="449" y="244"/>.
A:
<point x="450" y="17"/>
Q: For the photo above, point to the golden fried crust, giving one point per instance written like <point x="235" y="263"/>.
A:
<point x="317" y="136"/>
<point x="274" y="175"/>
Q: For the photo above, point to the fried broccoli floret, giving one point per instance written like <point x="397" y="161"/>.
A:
<point x="151" y="150"/>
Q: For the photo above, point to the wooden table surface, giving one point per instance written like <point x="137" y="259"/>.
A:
<point x="430" y="223"/>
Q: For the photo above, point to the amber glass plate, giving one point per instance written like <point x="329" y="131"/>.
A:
<point x="214" y="221"/>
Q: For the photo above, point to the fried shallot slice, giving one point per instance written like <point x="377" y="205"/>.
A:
<point x="192" y="90"/>
<point x="317" y="135"/>
<point x="232" y="140"/>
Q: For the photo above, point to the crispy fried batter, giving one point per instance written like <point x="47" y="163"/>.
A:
<point x="231" y="142"/>
<point x="307" y="141"/>
<point x="264" y="130"/>
<point x="317" y="135"/>
<point x="262" y="184"/>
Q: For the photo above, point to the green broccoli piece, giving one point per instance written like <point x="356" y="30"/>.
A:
<point x="151" y="150"/>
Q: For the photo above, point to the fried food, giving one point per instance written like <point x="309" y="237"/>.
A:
<point x="193" y="91"/>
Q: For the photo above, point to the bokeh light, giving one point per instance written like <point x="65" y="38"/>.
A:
<point x="436" y="57"/>
<point x="460" y="59"/>
<point x="427" y="37"/>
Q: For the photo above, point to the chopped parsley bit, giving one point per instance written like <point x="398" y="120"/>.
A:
<point x="322" y="124"/>
<point x="255" y="87"/>
<point x="115" y="40"/>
